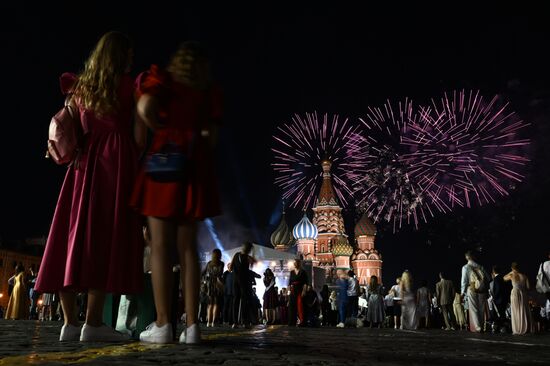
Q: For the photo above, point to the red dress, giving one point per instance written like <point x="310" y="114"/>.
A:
<point x="95" y="239"/>
<point x="184" y="113"/>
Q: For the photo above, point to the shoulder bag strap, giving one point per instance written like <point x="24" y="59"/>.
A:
<point x="544" y="273"/>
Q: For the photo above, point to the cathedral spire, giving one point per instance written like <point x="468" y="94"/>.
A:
<point x="327" y="197"/>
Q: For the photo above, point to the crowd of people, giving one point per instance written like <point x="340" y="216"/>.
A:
<point x="483" y="302"/>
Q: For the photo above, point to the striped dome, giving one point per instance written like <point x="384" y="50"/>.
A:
<point x="342" y="247"/>
<point x="365" y="226"/>
<point x="305" y="229"/>
<point x="282" y="235"/>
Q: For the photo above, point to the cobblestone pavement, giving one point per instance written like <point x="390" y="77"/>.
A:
<point x="31" y="342"/>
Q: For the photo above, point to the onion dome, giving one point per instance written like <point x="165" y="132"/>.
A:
<point x="281" y="237"/>
<point x="305" y="229"/>
<point x="365" y="226"/>
<point x="342" y="247"/>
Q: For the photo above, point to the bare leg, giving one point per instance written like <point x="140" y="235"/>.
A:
<point x="94" y="312"/>
<point x="209" y="314"/>
<point x="214" y="313"/>
<point x="68" y="303"/>
<point x="162" y="238"/>
<point x="190" y="273"/>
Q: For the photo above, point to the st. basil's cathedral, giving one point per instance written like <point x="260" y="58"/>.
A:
<point x="324" y="241"/>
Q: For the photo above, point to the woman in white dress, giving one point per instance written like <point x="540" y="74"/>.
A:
<point x="409" y="319"/>
<point x="521" y="314"/>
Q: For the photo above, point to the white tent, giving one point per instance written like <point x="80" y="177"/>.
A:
<point x="266" y="257"/>
<point x="261" y="253"/>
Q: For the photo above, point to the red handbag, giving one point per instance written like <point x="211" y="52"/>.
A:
<point x="64" y="134"/>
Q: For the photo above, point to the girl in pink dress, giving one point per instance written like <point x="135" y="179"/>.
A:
<point x="95" y="242"/>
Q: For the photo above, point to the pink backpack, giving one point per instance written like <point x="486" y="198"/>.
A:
<point x="63" y="135"/>
<point x="65" y="129"/>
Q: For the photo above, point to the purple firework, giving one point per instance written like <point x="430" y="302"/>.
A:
<point x="465" y="149"/>
<point x="300" y="147"/>
<point x="384" y="186"/>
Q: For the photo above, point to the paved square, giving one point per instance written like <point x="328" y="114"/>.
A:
<point x="32" y="342"/>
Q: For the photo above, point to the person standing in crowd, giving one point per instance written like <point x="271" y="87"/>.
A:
<point x="459" y="311"/>
<point x="94" y="243"/>
<point x="396" y="291"/>
<point x="311" y="306"/>
<point x="182" y="106"/>
<point x="256" y="314"/>
<point x="423" y="302"/>
<point x="475" y="286"/>
<point x="283" y="306"/>
<point x="333" y="299"/>
<point x="33" y="295"/>
<point x="242" y="285"/>
<point x="342" y="284"/>
<point x="445" y="295"/>
<point x="228" y="293"/>
<point x="297" y="282"/>
<point x="353" y="298"/>
<point x="543" y="279"/>
<point x="212" y="275"/>
<point x="18" y="304"/>
<point x="270" y="296"/>
<point x="500" y="296"/>
<point x="203" y="303"/>
<point x="521" y="312"/>
<point x="46" y="310"/>
<point x="375" y="308"/>
<point x="388" y="308"/>
<point x="409" y="318"/>
<point x="325" y="305"/>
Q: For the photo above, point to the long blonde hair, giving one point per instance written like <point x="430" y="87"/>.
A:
<point x="189" y="65"/>
<point x="406" y="281"/>
<point x="97" y="86"/>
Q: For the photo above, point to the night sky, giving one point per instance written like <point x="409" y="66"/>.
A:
<point x="273" y="62"/>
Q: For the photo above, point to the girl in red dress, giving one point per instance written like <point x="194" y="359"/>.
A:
<point x="95" y="242"/>
<point x="182" y="106"/>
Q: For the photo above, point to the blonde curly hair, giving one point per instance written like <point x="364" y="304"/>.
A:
<point x="97" y="86"/>
<point x="189" y="65"/>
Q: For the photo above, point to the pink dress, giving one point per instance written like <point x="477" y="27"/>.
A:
<point x="95" y="239"/>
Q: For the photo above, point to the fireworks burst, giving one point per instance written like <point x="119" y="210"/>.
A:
<point x="384" y="186"/>
<point x="300" y="147"/>
<point x="465" y="149"/>
<point x="420" y="160"/>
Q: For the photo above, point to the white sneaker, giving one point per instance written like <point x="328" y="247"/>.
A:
<point x="102" y="333"/>
<point x="69" y="333"/>
<point x="340" y="325"/>
<point x="191" y="335"/>
<point x="155" y="334"/>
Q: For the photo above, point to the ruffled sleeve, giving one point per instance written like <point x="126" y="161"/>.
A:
<point x="67" y="81"/>
<point x="153" y="82"/>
